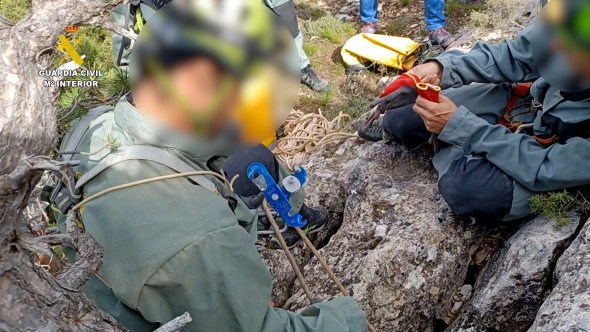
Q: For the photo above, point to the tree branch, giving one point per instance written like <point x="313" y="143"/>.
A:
<point x="107" y="23"/>
<point x="90" y="256"/>
<point x="176" y="324"/>
<point x="22" y="173"/>
<point x="5" y="23"/>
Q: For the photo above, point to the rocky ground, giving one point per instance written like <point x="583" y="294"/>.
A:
<point x="394" y="243"/>
<point x="351" y="93"/>
<point x="413" y="267"/>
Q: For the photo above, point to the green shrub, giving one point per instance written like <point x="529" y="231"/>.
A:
<point x="14" y="10"/>
<point x="330" y="28"/>
<point x="557" y="206"/>
<point x="310" y="48"/>
<point x="394" y="28"/>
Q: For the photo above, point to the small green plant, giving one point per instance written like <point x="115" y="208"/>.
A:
<point x="316" y="13"/>
<point x="556" y="206"/>
<point x="405" y="3"/>
<point x="339" y="69"/>
<point x="14" y="10"/>
<point x="330" y="28"/>
<point x="311" y="48"/>
<point x="112" y="143"/>
<point x="325" y="99"/>
<point x="393" y="28"/>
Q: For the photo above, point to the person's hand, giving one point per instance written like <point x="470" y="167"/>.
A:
<point x="428" y="72"/>
<point x="435" y="115"/>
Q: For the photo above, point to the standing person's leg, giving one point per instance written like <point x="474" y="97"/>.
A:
<point x="285" y="9"/>
<point x="434" y="16"/>
<point x="368" y="9"/>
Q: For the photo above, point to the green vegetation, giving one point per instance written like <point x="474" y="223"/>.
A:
<point x="330" y="28"/>
<point x="394" y="27"/>
<point x="350" y="93"/>
<point x="95" y="44"/>
<point x="310" y="48"/>
<point x="460" y="9"/>
<point x="307" y="11"/>
<point x="557" y="205"/>
<point x="405" y="3"/>
<point x="339" y="69"/>
<point x="496" y="14"/>
<point x="14" y="10"/>
<point x="316" y="13"/>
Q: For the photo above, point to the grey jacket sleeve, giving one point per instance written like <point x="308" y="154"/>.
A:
<point x="510" y="61"/>
<point x="520" y="156"/>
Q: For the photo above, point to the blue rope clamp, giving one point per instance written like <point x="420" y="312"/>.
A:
<point x="278" y="197"/>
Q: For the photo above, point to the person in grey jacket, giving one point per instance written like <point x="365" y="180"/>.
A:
<point x="489" y="163"/>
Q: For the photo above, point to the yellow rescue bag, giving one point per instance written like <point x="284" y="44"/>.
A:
<point x="391" y="51"/>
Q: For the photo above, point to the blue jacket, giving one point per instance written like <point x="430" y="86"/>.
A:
<point x="565" y="163"/>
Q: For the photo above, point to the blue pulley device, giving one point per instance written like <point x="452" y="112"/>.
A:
<point x="278" y="196"/>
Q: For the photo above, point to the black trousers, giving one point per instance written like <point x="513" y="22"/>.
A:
<point x="473" y="187"/>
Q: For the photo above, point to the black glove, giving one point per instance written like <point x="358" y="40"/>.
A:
<point x="253" y="202"/>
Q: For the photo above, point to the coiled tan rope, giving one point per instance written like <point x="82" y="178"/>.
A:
<point x="306" y="132"/>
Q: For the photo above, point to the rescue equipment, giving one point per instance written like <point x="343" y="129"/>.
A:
<point x="278" y="196"/>
<point x="391" y="51"/>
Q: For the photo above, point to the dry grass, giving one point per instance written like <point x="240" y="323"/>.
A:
<point x="498" y="14"/>
<point x="349" y="93"/>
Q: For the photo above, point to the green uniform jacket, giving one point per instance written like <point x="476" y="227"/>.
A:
<point x="173" y="246"/>
<point x="566" y="163"/>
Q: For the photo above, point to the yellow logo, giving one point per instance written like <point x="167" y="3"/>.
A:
<point x="64" y="45"/>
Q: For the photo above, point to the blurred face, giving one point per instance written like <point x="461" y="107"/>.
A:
<point x="209" y="92"/>
<point x="195" y="96"/>
<point x="579" y="60"/>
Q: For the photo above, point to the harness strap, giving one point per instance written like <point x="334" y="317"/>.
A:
<point x="545" y="140"/>
<point x="144" y="152"/>
<point x="63" y="194"/>
<point x="81" y="128"/>
<point x="520" y="91"/>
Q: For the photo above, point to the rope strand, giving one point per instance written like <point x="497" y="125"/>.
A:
<point x="304" y="133"/>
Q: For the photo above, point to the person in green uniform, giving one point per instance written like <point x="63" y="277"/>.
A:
<point x="186" y="244"/>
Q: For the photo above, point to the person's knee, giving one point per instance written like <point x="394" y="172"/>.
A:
<point x="405" y="126"/>
<point x="477" y="188"/>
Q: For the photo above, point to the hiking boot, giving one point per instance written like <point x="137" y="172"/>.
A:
<point x="311" y="79"/>
<point x="369" y="28"/>
<point x="441" y="37"/>
<point x="316" y="217"/>
<point x="373" y="133"/>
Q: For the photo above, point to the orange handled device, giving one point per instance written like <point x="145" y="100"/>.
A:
<point x="432" y="93"/>
<point x="428" y="91"/>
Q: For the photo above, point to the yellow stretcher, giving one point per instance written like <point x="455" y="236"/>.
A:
<point x="391" y="51"/>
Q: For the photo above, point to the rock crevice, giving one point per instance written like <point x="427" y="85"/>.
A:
<point x="413" y="267"/>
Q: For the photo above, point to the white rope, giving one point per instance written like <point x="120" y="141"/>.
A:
<point x="304" y="133"/>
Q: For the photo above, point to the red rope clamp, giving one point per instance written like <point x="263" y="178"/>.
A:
<point x="520" y="91"/>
